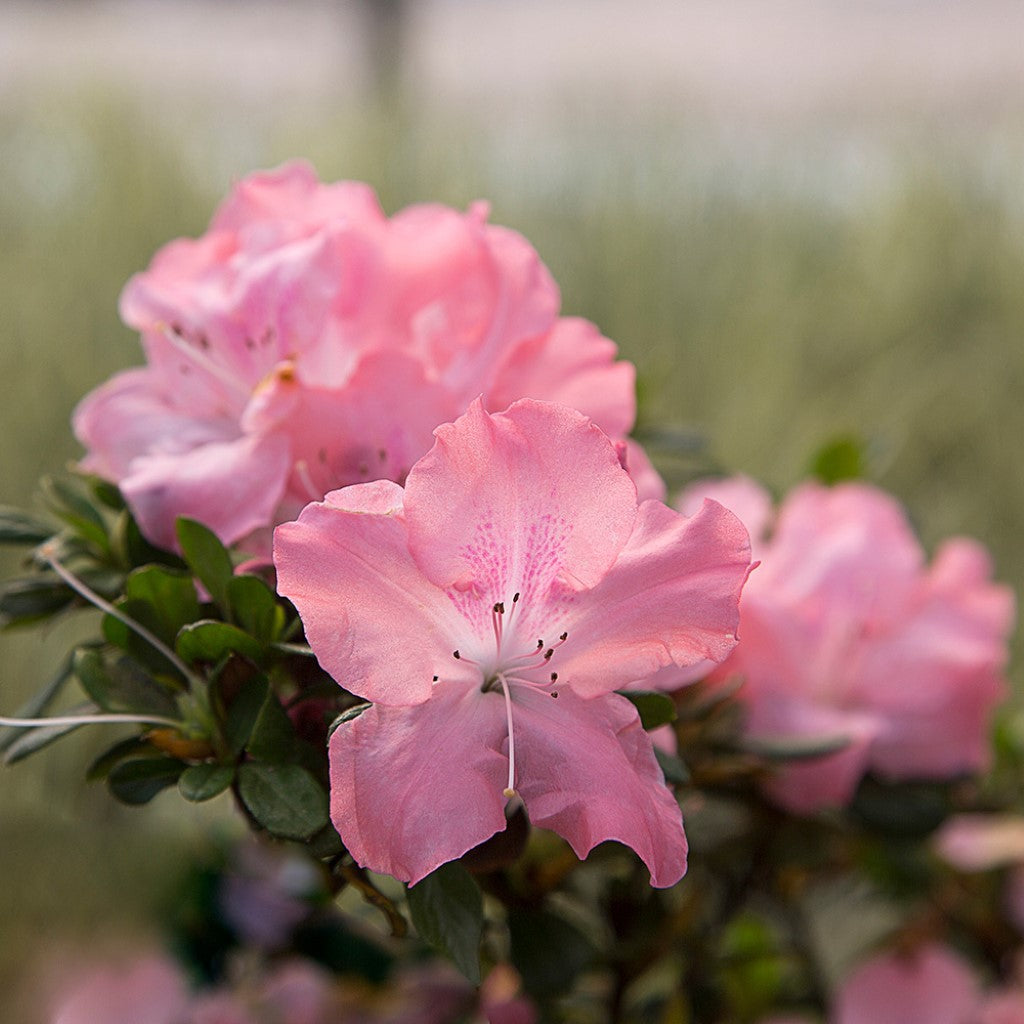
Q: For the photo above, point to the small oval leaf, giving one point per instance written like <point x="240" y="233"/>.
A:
<point x="448" y="911"/>
<point x="284" y="798"/>
<point x="201" y="782"/>
<point x="137" y="782"/>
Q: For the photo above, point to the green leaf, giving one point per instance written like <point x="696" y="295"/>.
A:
<point x="132" y="548"/>
<point x="325" y="843"/>
<point x="901" y="810"/>
<point x="121" y="685"/>
<point x="210" y="640"/>
<point x="76" y="510"/>
<point x="17" y="527"/>
<point x="37" y="704"/>
<point x="26" y="600"/>
<point x="172" y="595"/>
<point x="672" y="767"/>
<point x="272" y="738"/>
<point x="794" y="748"/>
<point x="201" y="782"/>
<point x="120" y="751"/>
<point x="347" y="715"/>
<point x="547" y="950"/>
<point x="121" y="635"/>
<point x="840" y="459"/>
<point x="207" y="557"/>
<point x="284" y="798"/>
<point x="35" y="739"/>
<point x="656" y="709"/>
<point x="253" y="605"/>
<point x="106" y="493"/>
<point x="137" y="782"/>
<point x="243" y="712"/>
<point x="448" y="912"/>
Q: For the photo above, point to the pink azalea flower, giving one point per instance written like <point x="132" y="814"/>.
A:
<point x="150" y="990"/>
<point x="929" y="986"/>
<point x="307" y="341"/>
<point x="489" y="610"/>
<point x="846" y="633"/>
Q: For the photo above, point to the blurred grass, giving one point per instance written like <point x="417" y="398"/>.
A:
<point x="771" y="297"/>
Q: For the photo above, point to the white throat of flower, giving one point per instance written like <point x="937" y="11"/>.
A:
<point x="506" y="667"/>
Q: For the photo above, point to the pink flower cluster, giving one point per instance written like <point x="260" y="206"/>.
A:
<point x="153" y="990"/>
<point x="307" y="341"/>
<point x="846" y="634"/>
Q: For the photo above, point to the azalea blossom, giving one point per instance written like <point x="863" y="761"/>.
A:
<point x="307" y="341"/>
<point x="848" y="636"/>
<point x="489" y="609"/>
<point x="930" y="985"/>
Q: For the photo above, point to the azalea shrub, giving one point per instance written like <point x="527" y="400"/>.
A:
<point x="378" y="566"/>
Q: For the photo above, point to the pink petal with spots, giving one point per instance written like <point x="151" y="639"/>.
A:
<point x="586" y="770"/>
<point x="413" y="788"/>
<point x="376" y="624"/>
<point x="670" y="599"/>
<point x="519" y="501"/>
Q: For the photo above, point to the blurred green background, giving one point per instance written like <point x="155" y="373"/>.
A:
<point x="797" y="226"/>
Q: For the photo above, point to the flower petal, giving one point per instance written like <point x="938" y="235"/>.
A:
<point x="573" y="365"/>
<point x="586" y="770"/>
<point x="377" y="625"/>
<point x="671" y="598"/>
<point x="161" y="487"/>
<point x="518" y="500"/>
<point x="931" y="985"/>
<point x="413" y="788"/>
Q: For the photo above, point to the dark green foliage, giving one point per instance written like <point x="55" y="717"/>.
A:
<point x="447" y="909"/>
<point x="284" y="799"/>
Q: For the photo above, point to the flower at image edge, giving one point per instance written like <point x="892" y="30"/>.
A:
<point x="846" y="632"/>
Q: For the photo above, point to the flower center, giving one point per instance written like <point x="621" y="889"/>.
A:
<point x="510" y="664"/>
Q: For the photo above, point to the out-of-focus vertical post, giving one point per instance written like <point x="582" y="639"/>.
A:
<point x="386" y="27"/>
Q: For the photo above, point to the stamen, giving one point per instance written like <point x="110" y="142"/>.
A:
<point x="175" y="337"/>
<point x="105" y="606"/>
<point x="509" y="791"/>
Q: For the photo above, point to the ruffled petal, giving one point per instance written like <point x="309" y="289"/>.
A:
<point x="586" y="770"/>
<point x="671" y="598"/>
<point x="573" y="365"/>
<point x="132" y="415"/>
<point x="413" y="788"/>
<point x="377" y="625"/>
<point x="232" y="487"/>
